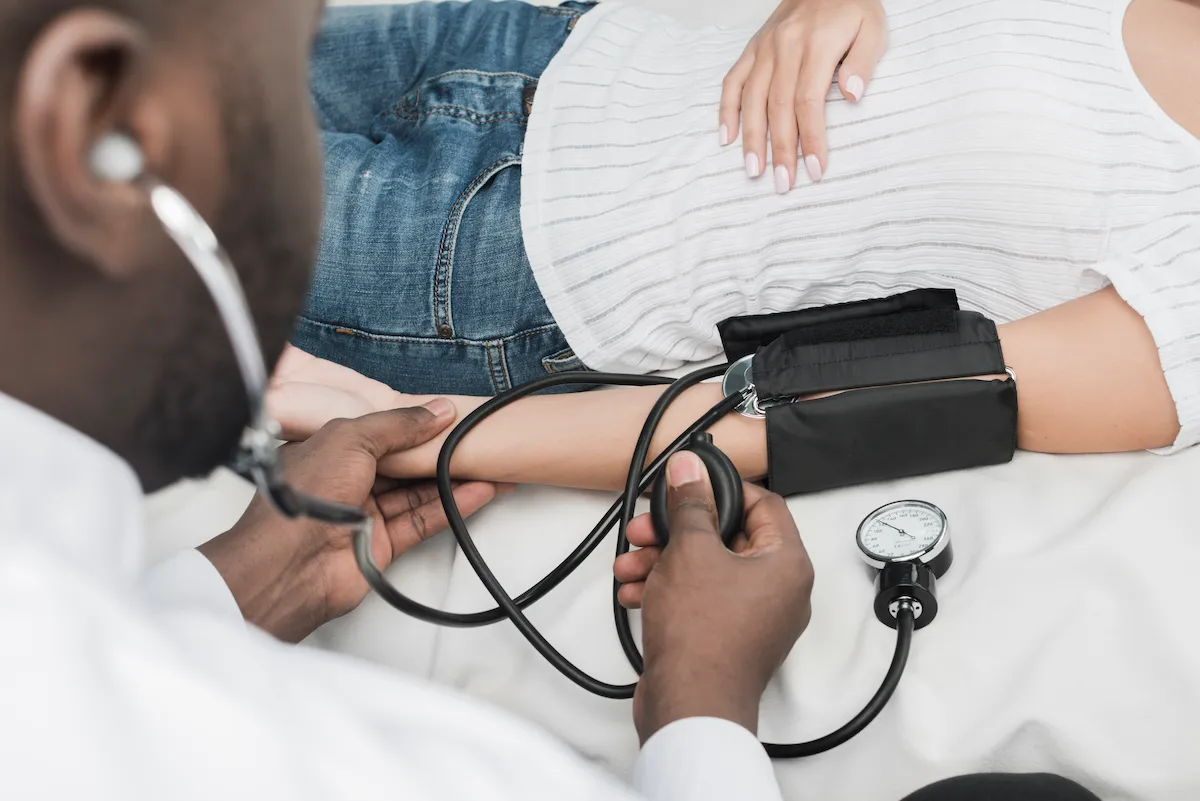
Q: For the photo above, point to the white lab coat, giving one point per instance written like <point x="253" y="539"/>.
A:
<point x="122" y="684"/>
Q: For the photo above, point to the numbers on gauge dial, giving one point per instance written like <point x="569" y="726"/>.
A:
<point x="902" y="532"/>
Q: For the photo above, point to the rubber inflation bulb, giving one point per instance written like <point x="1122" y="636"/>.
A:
<point x="727" y="491"/>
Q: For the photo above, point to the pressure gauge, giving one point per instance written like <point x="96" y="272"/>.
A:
<point x="906" y="531"/>
<point x="908" y="542"/>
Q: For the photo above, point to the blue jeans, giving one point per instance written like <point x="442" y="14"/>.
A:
<point x="422" y="281"/>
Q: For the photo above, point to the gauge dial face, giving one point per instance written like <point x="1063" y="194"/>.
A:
<point x="901" y="531"/>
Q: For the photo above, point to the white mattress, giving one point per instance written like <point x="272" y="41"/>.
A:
<point x="1067" y="639"/>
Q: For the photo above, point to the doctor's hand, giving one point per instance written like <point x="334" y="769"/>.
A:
<point x="290" y="577"/>
<point x="716" y="624"/>
<point x="781" y="82"/>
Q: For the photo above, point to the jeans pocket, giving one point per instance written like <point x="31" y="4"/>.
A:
<point x="564" y="361"/>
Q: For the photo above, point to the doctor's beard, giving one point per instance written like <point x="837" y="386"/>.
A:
<point x="199" y="406"/>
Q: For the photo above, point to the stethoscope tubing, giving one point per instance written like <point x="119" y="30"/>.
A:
<point x="639" y="479"/>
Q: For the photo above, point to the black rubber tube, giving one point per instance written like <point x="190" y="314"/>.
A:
<point x="630" y="496"/>
<point x="905" y="623"/>
<point x="459" y="527"/>
<point x="388" y="592"/>
<point x="621" y="512"/>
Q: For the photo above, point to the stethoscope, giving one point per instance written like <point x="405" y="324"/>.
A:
<point x="907" y="543"/>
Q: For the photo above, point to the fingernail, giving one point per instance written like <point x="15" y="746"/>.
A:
<point x="723" y="134"/>
<point x="684" y="468"/>
<point x="440" y="407"/>
<point x="752" y="165"/>
<point x="813" y="165"/>
<point x="783" y="180"/>
<point x="855" y="87"/>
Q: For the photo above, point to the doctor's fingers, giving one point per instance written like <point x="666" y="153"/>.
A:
<point x="414" y="514"/>
<point x="396" y="497"/>
<point x="630" y="595"/>
<point x="641" y="532"/>
<point x="383" y="433"/>
<point x="635" y="566"/>
<point x="401" y="497"/>
<point x="386" y="484"/>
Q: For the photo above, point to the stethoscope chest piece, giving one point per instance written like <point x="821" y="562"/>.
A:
<point x="739" y="380"/>
<point x="908" y="543"/>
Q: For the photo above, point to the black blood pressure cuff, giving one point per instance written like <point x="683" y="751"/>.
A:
<point x="908" y="399"/>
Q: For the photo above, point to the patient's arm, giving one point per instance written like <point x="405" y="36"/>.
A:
<point x="1088" y="376"/>
<point x="1089" y="379"/>
<point x="580" y="440"/>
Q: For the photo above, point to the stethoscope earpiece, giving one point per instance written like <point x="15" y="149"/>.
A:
<point x="117" y="157"/>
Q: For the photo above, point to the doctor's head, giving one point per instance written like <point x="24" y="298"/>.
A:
<point x="102" y="322"/>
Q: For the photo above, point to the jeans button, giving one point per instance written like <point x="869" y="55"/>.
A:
<point x="445" y="331"/>
<point x="527" y="96"/>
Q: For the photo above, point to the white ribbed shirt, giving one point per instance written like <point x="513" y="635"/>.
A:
<point x="1005" y="148"/>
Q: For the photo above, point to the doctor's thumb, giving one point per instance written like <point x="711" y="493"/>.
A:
<point x="691" y="506"/>
<point x="398" y="430"/>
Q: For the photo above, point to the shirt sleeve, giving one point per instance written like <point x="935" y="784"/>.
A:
<point x="189" y="581"/>
<point x="1170" y="305"/>
<point x="705" y="759"/>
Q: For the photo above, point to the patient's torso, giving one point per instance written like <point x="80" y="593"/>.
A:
<point x="1004" y="148"/>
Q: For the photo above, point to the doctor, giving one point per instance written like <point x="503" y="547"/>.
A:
<point x="116" y="376"/>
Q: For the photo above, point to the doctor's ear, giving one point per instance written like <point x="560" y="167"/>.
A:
<point x="83" y="78"/>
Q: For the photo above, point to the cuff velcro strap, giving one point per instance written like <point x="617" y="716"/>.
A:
<point x="910" y="401"/>
<point x="893" y="349"/>
<point x="741" y="336"/>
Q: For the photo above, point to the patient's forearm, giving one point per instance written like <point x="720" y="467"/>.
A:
<point x="583" y="440"/>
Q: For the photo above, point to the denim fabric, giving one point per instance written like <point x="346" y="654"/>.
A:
<point x="422" y="281"/>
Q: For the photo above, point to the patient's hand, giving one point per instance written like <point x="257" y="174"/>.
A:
<point x="307" y="392"/>
<point x="782" y="80"/>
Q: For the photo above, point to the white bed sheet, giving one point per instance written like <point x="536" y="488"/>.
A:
<point x="1066" y="642"/>
<point x="1066" y="639"/>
